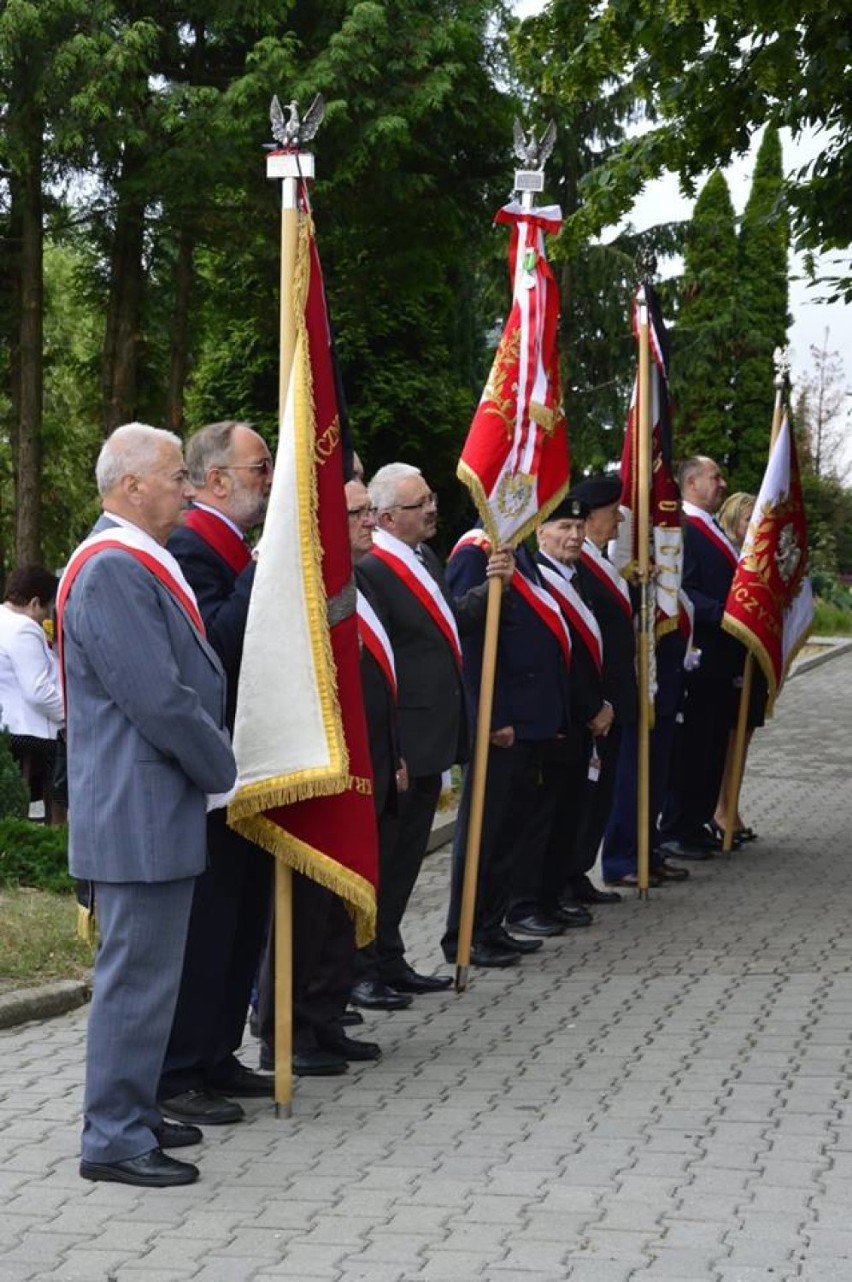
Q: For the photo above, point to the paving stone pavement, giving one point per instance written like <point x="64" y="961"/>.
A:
<point x="663" y="1097"/>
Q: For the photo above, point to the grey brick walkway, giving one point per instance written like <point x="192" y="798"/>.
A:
<point x="662" y="1096"/>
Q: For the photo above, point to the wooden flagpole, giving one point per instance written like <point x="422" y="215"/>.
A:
<point x="480" y="775"/>
<point x="290" y="166"/>
<point x="646" y="620"/>
<point x="528" y="182"/>
<point x="741" y="735"/>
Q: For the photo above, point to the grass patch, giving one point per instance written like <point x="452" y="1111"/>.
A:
<point x="831" y="620"/>
<point x="38" y="940"/>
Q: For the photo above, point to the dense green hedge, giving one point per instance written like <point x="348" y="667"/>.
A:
<point x="34" y="855"/>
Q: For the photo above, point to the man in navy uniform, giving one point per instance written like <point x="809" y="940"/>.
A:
<point x="567" y="889"/>
<point x="709" y="561"/>
<point x="530" y="710"/>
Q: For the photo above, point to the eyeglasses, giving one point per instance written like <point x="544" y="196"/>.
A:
<point x="428" y="500"/>
<point x="263" y="468"/>
<point x="359" y="513"/>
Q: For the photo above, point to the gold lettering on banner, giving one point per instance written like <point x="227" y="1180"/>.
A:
<point x="750" y="604"/>
<point x="360" y="784"/>
<point x="328" y="441"/>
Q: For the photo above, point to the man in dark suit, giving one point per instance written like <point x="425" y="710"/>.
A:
<point x="423" y="623"/>
<point x="390" y="776"/>
<point x="709" y="561"/>
<point x="231" y="469"/>
<point x="146" y="742"/>
<point x="531" y="700"/>
<point x="566" y="890"/>
<point x="608" y="594"/>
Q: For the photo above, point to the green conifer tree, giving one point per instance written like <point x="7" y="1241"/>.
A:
<point x="703" y="340"/>
<point x="762" y="318"/>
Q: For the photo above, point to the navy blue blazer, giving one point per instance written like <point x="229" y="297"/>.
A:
<point x="223" y="599"/>
<point x="531" y="688"/>
<point x="587" y="695"/>
<point x="619" y="646"/>
<point x="707" y="576"/>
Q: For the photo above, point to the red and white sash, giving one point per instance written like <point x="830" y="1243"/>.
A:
<point x="540" y="600"/>
<point x="400" y="558"/>
<point x="703" y="521"/>
<point x="375" y="639"/>
<point x="147" y="552"/>
<point x="574" y="610"/>
<point x="606" y="573"/>
<point x="218" y="534"/>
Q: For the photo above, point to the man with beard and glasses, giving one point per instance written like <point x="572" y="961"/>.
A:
<point x="231" y="471"/>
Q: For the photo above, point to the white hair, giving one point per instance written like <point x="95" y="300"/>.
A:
<point x="384" y="487"/>
<point x="132" y="448"/>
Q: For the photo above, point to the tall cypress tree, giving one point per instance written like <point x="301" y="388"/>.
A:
<point x="762" y="318"/>
<point x="703" y="339"/>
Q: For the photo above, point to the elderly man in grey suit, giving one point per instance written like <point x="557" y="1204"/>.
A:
<point x="146" y="748"/>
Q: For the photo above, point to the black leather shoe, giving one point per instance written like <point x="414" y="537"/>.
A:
<point x="571" y="915"/>
<point x="522" y="946"/>
<point x="177" y="1134"/>
<point x="487" y="953"/>
<point x="408" y="981"/>
<point x="585" y="892"/>
<point x="670" y="872"/>
<point x="151" y="1170"/>
<point x="536" y="924"/>
<point x="678" y="849"/>
<point x="373" y="994"/>
<point x="351" y="1018"/>
<point x="244" y="1083"/>
<point x="630" y="880"/>
<point x="349" y="1048"/>
<point x="202" y="1107"/>
<point x="318" y="1063"/>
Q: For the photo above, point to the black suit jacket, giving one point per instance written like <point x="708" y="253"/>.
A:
<point x="431" y="709"/>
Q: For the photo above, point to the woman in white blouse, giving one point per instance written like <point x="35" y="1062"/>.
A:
<point x="30" y="698"/>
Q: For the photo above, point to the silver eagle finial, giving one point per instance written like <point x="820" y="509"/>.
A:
<point x="290" y="130"/>
<point x="533" y="153"/>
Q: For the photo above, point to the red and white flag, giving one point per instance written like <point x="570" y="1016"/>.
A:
<point x="770" y="604"/>
<point x="300" y="739"/>
<point x="666" y="534"/>
<point x="515" y="459"/>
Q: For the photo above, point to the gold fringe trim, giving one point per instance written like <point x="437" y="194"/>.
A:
<point x="310" y="549"/>
<point x="87" y="926"/>
<point x="285" y="790"/>
<point x="245" y="812"/>
<point x="357" y="893"/>
<point x="469" y="478"/>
